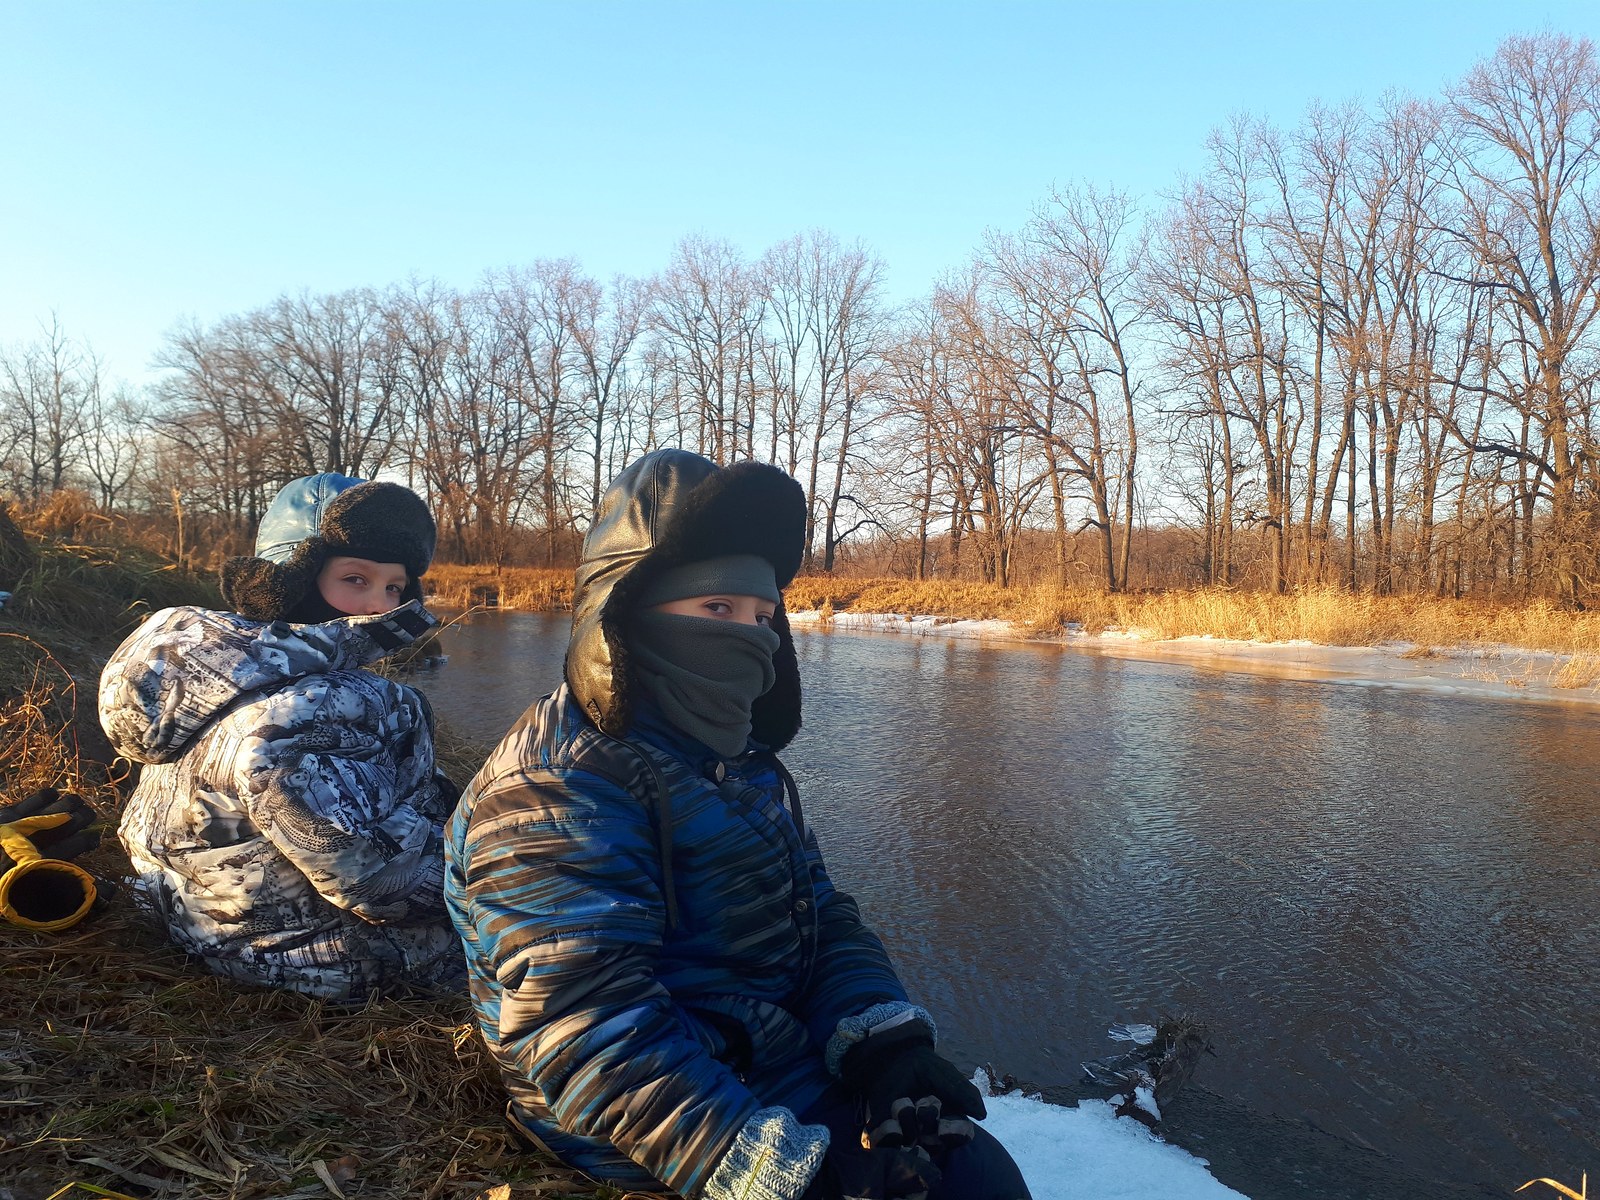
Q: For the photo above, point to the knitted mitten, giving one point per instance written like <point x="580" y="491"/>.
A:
<point x="773" y="1158"/>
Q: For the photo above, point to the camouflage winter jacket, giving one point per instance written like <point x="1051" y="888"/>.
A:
<point x="287" y="823"/>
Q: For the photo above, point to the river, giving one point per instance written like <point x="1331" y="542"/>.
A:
<point x="1384" y="904"/>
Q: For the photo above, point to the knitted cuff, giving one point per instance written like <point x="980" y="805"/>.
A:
<point x="856" y="1029"/>
<point x="773" y="1158"/>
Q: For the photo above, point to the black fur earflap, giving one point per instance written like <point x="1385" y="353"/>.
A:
<point x="267" y="591"/>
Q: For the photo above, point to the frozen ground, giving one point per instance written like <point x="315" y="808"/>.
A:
<point x="1087" y="1153"/>
<point x="1487" y="671"/>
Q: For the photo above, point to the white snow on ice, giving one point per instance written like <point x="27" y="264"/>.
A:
<point x="1089" y="1153"/>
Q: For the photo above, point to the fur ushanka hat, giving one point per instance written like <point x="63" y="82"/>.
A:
<point x="669" y="508"/>
<point x="315" y="518"/>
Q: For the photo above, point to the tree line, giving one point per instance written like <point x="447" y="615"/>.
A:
<point x="1360" y="351"/>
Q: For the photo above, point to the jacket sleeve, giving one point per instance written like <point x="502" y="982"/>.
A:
<point x="563" y="908"/>
<point x="337" y="771"/>
<point x="853" y="973"/>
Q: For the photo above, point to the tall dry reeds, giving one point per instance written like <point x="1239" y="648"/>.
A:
<point x="1328" y="616"/>
<point x="526" y="589"/>
<point x="84" y="590"/>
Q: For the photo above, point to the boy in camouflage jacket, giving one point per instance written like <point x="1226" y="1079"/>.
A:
<point x="287" y="824"/>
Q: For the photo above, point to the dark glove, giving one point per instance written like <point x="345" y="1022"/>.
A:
<point x="64" y="839"/>
<point x="39" y="889"/>
<point x="912" y="1094"/>
<point x="889" y="1173"/>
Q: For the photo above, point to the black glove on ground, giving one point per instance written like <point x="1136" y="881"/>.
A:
<point x="64" y="841"/>
<point x="889" y="1173"/>
<point x="912" y="1094"/>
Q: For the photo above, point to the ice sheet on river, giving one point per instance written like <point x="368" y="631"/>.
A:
<point x="1488" y="671"/>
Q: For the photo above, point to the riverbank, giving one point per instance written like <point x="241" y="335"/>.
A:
<point x="1533" y="650"/>
<point x="1485" y="670"/>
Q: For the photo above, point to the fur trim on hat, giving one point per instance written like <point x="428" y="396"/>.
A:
<point x="381" y="522"/>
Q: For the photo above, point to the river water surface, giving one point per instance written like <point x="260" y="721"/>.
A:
<point x="1384" y="904"/>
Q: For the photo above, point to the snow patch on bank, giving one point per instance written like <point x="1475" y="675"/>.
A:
<point x="1486" y="671"/>
<point x="1089" y="1153"/>
<point x="901" y="623"/>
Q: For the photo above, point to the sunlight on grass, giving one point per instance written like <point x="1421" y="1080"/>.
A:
<point x="1328" y="617"/>
<point x="525" y="589"/>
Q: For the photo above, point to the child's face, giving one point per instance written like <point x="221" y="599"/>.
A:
<point x="359" y="587"/>
<point x="746" y="610"/>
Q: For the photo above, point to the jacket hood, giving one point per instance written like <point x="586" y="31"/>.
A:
<point x="669" y="508"/>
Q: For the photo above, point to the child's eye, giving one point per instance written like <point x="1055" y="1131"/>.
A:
<point x="355" y="580"/>
<point x="763" y="618"/>
<point x="720" y="607"/>
<point x="395" y="588"/>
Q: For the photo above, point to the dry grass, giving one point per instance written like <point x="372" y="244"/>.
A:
<point x="1579" y="673"/>
<point x="127" y="1068"/>
<point x="528" y="589"/>
<point x="93" y="590"/>
<point x="39" y="706"/>
<point x="1327" y="616"/>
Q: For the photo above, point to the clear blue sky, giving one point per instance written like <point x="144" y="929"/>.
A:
<point x="164" y="159"/>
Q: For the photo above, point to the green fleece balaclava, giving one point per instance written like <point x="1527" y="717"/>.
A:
<point x="705" y="673"/>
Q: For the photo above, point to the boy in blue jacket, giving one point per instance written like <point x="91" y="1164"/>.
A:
<point x="677" y="996"/>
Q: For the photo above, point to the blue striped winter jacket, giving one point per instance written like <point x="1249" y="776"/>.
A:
<point x="653" y="954"/>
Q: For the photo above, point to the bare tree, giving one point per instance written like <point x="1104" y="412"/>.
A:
<point x="702" y="313"/>
<point x="606" y="327"/>
<point x="45" y="387"/>
<point x="1529" y="123"/>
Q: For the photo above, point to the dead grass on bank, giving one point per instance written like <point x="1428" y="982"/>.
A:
<point x="1329" y="617"/>
<point x="126" y="1068"/>
<point x="526" y="589"/>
